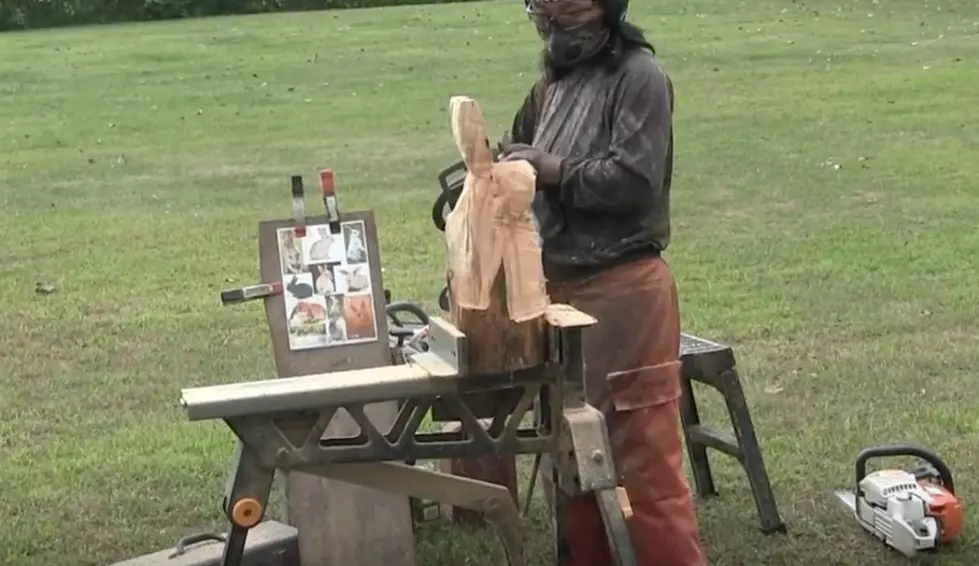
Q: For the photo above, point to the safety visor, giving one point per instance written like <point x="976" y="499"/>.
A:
<point x="567" y="15"/>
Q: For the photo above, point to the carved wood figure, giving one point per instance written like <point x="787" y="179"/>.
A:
<point x="495" y="276"/>
<point x="495" y="280"/>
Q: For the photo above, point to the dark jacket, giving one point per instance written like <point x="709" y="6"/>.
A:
<point x="613" y="127"/>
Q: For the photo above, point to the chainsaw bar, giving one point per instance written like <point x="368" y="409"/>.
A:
<point x="847" y="498"/>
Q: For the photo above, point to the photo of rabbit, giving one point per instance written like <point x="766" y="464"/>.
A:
<point x="322" y="246"/>
<point x="324" y="280"/>
<point x="327" y="286"/>
<point x="300" y="286"/>
<point x="358" y="311"/>
<point x="353" y="235"/>
<point x="356" y="278"/>
<point x="290" y="252"/>
<point x="336" y="330"/>
<point x="307" y="323"/>
<point x="334" y="306"/>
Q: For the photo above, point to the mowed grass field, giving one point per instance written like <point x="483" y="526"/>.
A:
<point x="826" y="224"/>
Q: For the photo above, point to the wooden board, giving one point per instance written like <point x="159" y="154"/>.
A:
<point x="339" y="524"/>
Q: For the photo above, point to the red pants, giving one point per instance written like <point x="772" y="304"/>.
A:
<point x="632" y="373"/>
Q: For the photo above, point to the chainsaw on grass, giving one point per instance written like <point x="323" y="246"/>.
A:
<point x="911" y="510"/>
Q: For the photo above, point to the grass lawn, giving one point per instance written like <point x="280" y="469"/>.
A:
<point x="826" y="225"/>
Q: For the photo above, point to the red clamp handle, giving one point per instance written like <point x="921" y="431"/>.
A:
<point x="330" y="203"/>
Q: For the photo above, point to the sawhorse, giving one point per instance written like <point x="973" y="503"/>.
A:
<point x="713" y="364"/>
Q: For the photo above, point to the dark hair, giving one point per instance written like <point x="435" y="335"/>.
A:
<point x="631" y="36"/>
<point x="623" y="37"/>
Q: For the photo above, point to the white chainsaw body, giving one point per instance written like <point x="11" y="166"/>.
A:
<point x="894" y="508"/>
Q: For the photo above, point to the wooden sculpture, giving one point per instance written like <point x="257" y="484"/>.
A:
<point x="495" y="277"/>
<point x="496" y="284"/>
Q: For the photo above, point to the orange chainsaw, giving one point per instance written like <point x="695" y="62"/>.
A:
<point x="910" y="510"/>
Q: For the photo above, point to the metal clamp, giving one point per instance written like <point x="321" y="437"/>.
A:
<point x="298" y="206"/>
<point x="330" y="203"/>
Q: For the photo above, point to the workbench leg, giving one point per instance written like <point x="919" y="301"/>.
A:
<point x="585" y="468"/>
<point x="246" y="501"/>
<point x="562" y="521"/>
<point x="616" y="529"/>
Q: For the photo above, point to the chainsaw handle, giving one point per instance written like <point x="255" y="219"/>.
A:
<point x="460" y="167"/>
<point x="397" y="307"/>
<point x="445" y="174"/>
<point x="904" y="450"/>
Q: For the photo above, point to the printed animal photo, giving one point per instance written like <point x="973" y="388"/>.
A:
<point x="334" y="306"/>
<point x="356" y="278"/>
<point x="299" y="286"/>
<point x="290" y="251"/>
<point x="358" y="311"/>
<point x="336" y="330"/>
<point x="324" y="278"/>
<point x="320" y="245"/>
<point x="354" y="236"/>
<point x="306" y="321"/>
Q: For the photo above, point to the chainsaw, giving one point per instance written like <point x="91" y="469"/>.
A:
<point x="406" y="338"/>
<point x="910" y="510"/>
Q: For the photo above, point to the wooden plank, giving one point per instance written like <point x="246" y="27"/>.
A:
<point x="297" y="393"/>
<point x="340" y="524"/>
<point x="566" y="316"/>
<point x="500" y="469"/>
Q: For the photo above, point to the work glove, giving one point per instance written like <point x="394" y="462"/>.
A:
<point x="548" y="166"/>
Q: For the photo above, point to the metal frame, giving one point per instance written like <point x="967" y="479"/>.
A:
<point x="280" y="424"/>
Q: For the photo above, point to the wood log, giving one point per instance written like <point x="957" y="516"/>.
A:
<point x="495" y="277"/>
<point x="495" y="281"/>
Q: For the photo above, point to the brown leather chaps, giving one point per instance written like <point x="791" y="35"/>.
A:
<point x="632" y="375"/>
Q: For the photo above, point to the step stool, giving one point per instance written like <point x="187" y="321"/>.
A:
<point x="713" y="364"/>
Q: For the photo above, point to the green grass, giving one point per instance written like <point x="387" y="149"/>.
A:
<point x="136" y="162"/>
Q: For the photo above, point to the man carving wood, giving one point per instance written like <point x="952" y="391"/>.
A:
<point x="597" y="127"/>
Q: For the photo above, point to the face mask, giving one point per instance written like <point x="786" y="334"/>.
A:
<point x="573" y="34"/>
<point x="569" y="46"/>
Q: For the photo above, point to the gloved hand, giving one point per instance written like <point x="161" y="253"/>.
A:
<point x="548" y="166"/>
